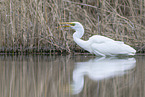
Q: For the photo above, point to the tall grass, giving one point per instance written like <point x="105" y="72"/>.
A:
<point x="31" y="25"/>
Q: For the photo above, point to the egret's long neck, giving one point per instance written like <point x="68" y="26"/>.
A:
<point x="77" y="35"/>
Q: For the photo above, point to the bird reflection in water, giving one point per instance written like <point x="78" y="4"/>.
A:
<point x="98" y="69"/>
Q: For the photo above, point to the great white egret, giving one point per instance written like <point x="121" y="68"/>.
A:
<point x="97" y="44"/>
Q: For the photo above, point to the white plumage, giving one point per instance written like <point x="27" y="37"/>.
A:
<point x="99" y="45"/>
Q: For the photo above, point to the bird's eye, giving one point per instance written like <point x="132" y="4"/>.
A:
<point x="73" y="24"/>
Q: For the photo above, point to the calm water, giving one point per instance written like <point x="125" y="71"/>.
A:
<point x="72" y="76"/>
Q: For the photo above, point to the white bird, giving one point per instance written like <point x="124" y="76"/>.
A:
<point x="97" y="44"/>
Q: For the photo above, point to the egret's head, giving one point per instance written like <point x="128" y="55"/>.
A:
<point x="74" y="25"/>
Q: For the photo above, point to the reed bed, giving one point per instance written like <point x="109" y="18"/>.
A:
<point x="31" y="25"/>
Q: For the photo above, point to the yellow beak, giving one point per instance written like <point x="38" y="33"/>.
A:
<point x="65" y="26"/>
<point x="66" y="23"/>
<point x="69" y="24"/>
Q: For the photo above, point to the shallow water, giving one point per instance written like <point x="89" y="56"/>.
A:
<point x="72" y="76"/>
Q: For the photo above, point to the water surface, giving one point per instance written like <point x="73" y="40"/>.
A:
<point x="72" y="76"/>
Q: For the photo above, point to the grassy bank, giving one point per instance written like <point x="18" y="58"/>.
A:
<point x="31" y="25"/>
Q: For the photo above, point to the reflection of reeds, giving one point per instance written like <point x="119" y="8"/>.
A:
<point x="32" y="25"/>
<point x="32" y="76"/>
<point x="46" y="76"/>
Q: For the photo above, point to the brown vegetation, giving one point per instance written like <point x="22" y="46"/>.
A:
<point x="31" y="25"/>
